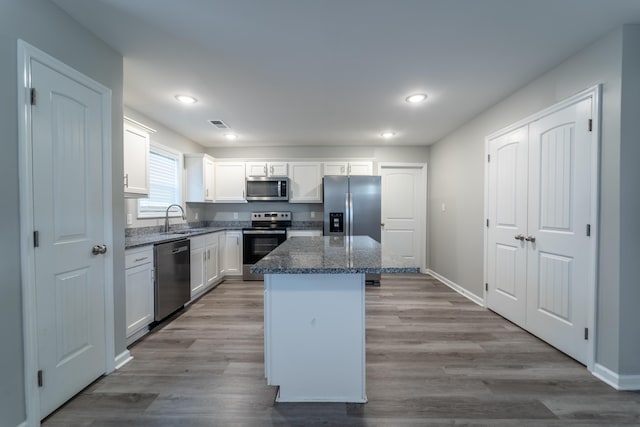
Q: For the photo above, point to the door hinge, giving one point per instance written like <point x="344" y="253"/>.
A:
<point x="40" y="381"/>
<point x="586" y="333"/>
<point x="486" y="287"/>
<point x="488" y="157"/>
<point x="590" y="125"/>
<point x="588" y="230"/>
<point x="36" y="239"/>
<point x="32" y="96"/>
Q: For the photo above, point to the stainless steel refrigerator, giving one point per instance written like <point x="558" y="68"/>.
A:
<point x="352" y="206"/>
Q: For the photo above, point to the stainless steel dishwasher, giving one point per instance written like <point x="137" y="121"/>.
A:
<point x="173" y="276"/>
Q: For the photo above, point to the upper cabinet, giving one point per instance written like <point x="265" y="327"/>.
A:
<point x="348" y="168"/>
<point x="200" y="177"/>
<point x="136" y="161"/>
<point x="305" y="182"/>
<point x="230" y="182"/>
<point x="260" y="169"/>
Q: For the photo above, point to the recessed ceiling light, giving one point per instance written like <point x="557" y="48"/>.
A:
<point x="231" y="136"/>
<point x="186" y="99"/>
<point x="416" y="98"/>
<point x="388" y="134"/>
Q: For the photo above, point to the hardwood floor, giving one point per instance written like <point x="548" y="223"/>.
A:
<point x="433" y="359"/>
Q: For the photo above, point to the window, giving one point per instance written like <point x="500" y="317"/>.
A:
<point x="165" y="166"/>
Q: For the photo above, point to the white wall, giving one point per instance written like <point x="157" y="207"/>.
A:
<point x="456" y="178"/>
<point x="46" y="27"/>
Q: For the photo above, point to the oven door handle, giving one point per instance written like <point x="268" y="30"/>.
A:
<point x="245" y="232"/>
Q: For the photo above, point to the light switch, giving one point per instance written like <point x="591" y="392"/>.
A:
<point x="444" y="208"/>
<point x="235" y="215"/>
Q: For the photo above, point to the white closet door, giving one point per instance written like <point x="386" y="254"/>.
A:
<point x="559" y="211"/>
<point x="507" y="252"/>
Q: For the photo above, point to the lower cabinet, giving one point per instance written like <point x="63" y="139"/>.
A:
<point x="205" y="262"/>
<point x="139" y="291"/>
<point x="232" y="253"/>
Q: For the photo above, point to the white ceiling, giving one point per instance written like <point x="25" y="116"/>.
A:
<point x="336" y="72"/>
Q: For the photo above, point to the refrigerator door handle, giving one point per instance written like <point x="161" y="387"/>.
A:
<point x="350" y="211"/>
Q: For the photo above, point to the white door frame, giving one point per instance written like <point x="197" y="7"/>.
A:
<point x="26" y="53"/>
<point x="423" y="206"/>
<point x="595" y="93"/>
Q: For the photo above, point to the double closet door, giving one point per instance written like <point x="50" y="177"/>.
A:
<point x="539" y="199"/>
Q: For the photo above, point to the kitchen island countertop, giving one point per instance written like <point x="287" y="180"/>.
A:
<point x="332" y="255"/>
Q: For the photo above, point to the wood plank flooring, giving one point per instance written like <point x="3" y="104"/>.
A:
<point x="433" y="359"/>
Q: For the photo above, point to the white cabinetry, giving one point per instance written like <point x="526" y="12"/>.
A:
<point x="305" y="182"/>
<point x="136" y="161"/>
<point x="260" y="169"/>
<point x="348" y="168"/>
<point x="205" y="262"/>
<point x="232" y="253"/>
<point x="230" y="182"/>
<point x="200" y="177"/>
<point x="138" y="291"/>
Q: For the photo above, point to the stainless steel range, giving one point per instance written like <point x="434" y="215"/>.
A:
<point x="268" y="230"/>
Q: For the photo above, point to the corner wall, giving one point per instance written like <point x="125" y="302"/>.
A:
<point x="456" y="178"/>
<point x="45" y="26"/>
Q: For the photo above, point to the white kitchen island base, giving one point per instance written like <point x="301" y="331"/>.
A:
<point x="314" y="327"/>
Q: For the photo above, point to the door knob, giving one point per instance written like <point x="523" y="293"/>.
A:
<point x="99" y="249"/>
<point x="530" y="239"/>
<point x="519" y="237"/>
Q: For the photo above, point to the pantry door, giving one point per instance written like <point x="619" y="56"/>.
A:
<point x="558" y="269"/>
<point x="507" y="216"/>
<point x="404" y="210"/>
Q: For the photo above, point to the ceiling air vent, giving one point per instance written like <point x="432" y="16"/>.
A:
<point x="219" y="124"/>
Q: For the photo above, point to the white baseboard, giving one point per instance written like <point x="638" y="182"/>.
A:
<point x="122" y="359"/>
<point x="459" y="289"/>
<point x="22" y="424"/>
<point x="619" y="382"/>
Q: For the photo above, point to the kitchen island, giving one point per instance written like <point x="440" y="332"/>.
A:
<point x="314" y="315"/>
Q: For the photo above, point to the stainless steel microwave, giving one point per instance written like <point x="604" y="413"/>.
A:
<point x="266" y="189"/>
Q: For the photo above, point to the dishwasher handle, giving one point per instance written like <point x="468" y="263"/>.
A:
<point x="180" y="249"/>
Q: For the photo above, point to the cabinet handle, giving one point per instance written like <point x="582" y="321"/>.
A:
<point x="126" y="180"/>
<point x="265" y="169"/>
<point x="206" y="192"/>
<point x="271" y="170"/>
<point x="141" y="259"/>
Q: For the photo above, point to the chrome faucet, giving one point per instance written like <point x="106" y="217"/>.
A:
<point x="166" y="216"/>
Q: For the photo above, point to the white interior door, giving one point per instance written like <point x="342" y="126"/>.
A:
<point x="559" y="213"/>
<point x="507" y="252"/>
<point x="68" y="215"/>
<point x="403" y="211"/>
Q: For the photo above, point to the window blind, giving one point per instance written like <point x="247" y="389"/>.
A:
<point x="164" y="185"/>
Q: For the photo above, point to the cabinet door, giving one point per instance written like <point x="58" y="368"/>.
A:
<point x="230" y="182"/>
<point x="136" y="162"/>
<point x="139" y="297"/>
<point x="197" y="270"/>
<point x="278" y="169"/>
<point x="209" y="180"/>
<point x="335" y="168"/>
<point x="305" y="182"/>
<point x="232" y="259"/>
<point x="256" y="169"/>
<point x="360" y="168"/>
<point x="211" y="257"/>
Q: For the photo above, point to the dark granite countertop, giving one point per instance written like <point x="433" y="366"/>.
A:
<point x="331" y="255"/>
<point x="154" y="238"/>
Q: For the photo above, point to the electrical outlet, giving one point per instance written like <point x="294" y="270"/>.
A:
<point x="129" y="219"/>
<point x="444" y="208"/>
<point x="235" y="215"/>
<point x="313" y="214"/>
<point x="196" y="215"/>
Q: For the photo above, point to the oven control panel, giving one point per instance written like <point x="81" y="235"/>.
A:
<point x="271" y="216"/>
